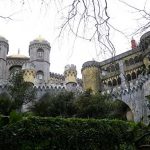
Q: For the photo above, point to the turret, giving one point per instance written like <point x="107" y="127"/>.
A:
<point x="145" y="46"/>
<point x="145" y="41"/>
<point x="4" y="48"/>
<point x="70" y="74"/>
<point x="29" y="72"/>
<point x="39" y="51"/>
<point x="91" y="76"/>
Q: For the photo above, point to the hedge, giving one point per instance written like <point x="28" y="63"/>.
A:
<point x="35" y="133"/>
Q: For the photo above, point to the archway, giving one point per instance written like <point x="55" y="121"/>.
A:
<point x="123" y="111"/>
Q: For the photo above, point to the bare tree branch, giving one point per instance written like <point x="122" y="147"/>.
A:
<point x="145" y="16"/>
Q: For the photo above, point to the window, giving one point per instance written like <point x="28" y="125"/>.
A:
<point x="40" y="75"/>
<point x="40" y="53"/>
<point x="131" y="61"/>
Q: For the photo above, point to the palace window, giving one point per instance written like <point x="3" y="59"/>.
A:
<point x="40" y="53"/>
<point x="40" y="75"/>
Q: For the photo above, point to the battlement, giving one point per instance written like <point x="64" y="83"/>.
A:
<point x="57" y="76"/>
<point x="89" y="64"/>
<point x="2" y="39"/>
<point x="70" y="67"/>
<point x="49" y="87"/>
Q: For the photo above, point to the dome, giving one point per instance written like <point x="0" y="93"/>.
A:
<point x="3" y="39"/>
<point x="20" y="56"/>
<point x="40" y="40"/>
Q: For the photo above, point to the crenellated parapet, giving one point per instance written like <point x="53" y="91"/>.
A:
<point x="70" y="74"/>
<point x="42" y="43"/>
<point x="57" y="76"/>
<point x="129" y="88"/>
<point x="90" y="64"/>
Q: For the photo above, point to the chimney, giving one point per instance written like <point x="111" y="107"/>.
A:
<point x="133" y="44"/>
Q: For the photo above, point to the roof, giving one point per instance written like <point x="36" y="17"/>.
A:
<point x="18" y="56"/>
<point x="39" y="39"/>
<point x="3" y="39"/>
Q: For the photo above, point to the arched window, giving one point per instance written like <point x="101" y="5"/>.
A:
<point x="128" y="77"/>
<point x="133" y="75"/>
<point x="138" y="72"/>
<point x="40" y="75"/>
<point x="114" y="82"/>
<point x="14" y="69"/>
<point x="108" y="69"/>
<point x="140" y="57"/>
<point x="119" y="80"/>
<point x="127" y="62"/>
<point x="117" y="66"/>
<point x="112" y="68"/>
<point x="131" y="61"/>
<point x="40" y="53"/>
<point x="109" y="83"/>
<point x="136" y="59"/>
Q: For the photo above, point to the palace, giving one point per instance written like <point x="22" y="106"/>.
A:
<point x="126" y="76"/>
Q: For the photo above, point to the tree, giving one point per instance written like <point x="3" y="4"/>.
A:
<point x="21" y="92"/>
<point x="95" y="106"/>
<point x="5" y="104"/>
<point x="89" y="19"/>
<point x="54" y="105"/>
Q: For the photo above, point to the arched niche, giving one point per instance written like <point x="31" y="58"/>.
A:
<point x="114" y="82"/>
<point x="133" y="75"/>
<point x="14" y="69"/>
<point x="128" y="77"/>
<point x="40" y="75"/>
<point x="40" y="53"/>
<point x="131" y="61"/>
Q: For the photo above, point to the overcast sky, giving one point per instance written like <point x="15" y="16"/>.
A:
<point x="33" y="19"/>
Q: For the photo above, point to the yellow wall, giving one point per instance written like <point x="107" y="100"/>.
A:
<point x="29" y="76"/>
<point x="91" y="79"/>
<point x="70" y="78"/>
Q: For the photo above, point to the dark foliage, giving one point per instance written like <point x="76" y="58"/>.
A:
<point x="68" y="134"/>
<point x="21" y="92"/>
<point x="5" y="104"/>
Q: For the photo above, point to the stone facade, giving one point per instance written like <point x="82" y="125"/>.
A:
<point x="126" y="77"/>
<point x="36" y="69"/>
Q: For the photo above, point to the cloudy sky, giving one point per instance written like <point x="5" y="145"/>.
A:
<point x="31" y="19"/>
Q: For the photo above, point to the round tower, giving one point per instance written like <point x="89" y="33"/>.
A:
<point x="70" y="74"/>
<point x="4" y="48"/>
<point x="29" y="72"/>
<point x="145" y="41"/>
<point x="91" y="76"/>
<point x="39" y="51"/>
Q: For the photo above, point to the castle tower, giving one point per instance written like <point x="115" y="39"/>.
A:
<point x="91" y="76"/>
<point x="145" y="46"/>
<point x="4" y="48"/>
<point x="29" y="73"/>
<point x="39" y="51"/>
<point x="70" y="74"/>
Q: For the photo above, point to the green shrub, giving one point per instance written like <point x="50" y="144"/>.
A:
<point x="14" y="117"/>
<point x="37" y="133"/>
<point x="5" y="104"/>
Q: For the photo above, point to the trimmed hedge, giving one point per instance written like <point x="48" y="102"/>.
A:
<point x="35" y="133"/>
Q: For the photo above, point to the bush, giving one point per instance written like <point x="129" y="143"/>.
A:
<point x="5" y="104"/>
<point x="37" y="133"/>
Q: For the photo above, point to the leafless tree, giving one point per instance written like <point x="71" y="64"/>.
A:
<point x="143" y="16"/>
<point x="89" y="20"/>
